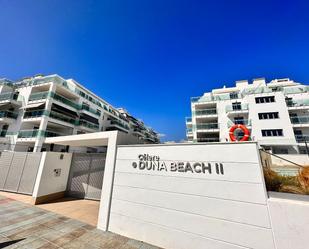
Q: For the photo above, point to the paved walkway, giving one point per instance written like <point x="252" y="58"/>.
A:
<point x="32" y="227"/>
<point x="83" y="210"/>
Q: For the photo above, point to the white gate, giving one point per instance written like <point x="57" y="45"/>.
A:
<point x="18" y="171"/>
<point x="86" y="175"/>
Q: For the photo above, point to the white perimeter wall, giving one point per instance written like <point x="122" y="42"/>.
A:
<point x="192" y="210"/>
<point x="290" y="219"/>
<point x="47" y="183"/>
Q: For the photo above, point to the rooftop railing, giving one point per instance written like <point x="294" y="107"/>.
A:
<point x="300" y="120"/>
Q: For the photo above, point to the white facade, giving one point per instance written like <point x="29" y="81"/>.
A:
<point x="47" y="106"/>
<point x="276" y="113"/>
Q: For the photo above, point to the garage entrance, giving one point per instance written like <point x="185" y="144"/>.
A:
<point x="86" y="175"/>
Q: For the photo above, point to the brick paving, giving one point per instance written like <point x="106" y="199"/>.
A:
<point x="34" y="228"/>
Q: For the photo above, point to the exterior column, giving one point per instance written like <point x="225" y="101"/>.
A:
<point x="43" y="125"/>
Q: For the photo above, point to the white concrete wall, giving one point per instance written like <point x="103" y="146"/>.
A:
<point x="47" y="183"/>
<point x="290" y="220"/>
<point x="191" y="210"/>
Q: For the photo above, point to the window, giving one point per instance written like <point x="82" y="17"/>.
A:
<point x="272" y="133"/>
<point x="269" y="115"/>
<point x="239" y="120"/>
<point x="234" y="95"/>
<point x="268" y="99"/>
<point x="236" y="106"/>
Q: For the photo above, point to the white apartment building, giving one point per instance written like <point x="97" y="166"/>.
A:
<point x="38" y="107"/>
<point x="276" y="114"/>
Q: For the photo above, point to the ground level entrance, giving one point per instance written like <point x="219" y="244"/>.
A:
<point x="86" y="175"/>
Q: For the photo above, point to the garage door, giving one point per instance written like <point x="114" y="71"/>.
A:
<point x="86" y="175"/>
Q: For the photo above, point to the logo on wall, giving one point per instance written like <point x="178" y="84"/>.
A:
<point x="148" y="162"/>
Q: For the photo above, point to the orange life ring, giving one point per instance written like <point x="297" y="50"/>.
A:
<point x="243" y="128"/>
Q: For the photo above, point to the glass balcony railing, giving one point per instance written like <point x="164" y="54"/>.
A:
<point x="189" y="130"/>
<point x="116" y="122"/>
<point x="8" y="114"/>
<point x="297" y="103"/>
<point x="39" y="96"/>
<point x="8" y="96"/>
<point x="37" y="133"/>
<point x="302" y="138"/>
<point x="300" y="120"/>
<point x="237" y="108"/>
<point x="205" y="112"/>
<point x="87" y="124"/>
<point x="246" y="122"/>
<point x="87" y="108"/>
<point x="62" y="117"/>
<point x="57" y="97"/>
<point x="51" y="114"/>
<point x="64" y="100"/>
<point x="207" y="126"/>
<point x="188" y="119"/>
<point x="35" y="114"/>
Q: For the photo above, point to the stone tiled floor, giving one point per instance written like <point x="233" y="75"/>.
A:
<point x="84" y="210"/>
<point x="39" y="228"/>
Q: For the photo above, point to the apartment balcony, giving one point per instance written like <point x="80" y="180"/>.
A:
<point x="188" y="120"/>
<point x="33" y="134"/>
<point x="6" y="98"/>
<point x="246" y="122"/>
<point x="90" y="110"/>
<point x="237" y="109"/>
<point x="117" y="123"/>
<point x="300" y="121"/>
<point x="8" y="117"/>
<point x="206" y="113"/>
<point x="302" y="138"/>
<point x="299" y="104"/>
<point x="88" y="126"/>
<point x="207" y="127"/>
<point x="207" y="139"/>
<point x="45" y="95"/>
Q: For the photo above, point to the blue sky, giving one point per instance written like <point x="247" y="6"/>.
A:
<point x="152" y="56"/>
